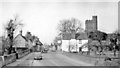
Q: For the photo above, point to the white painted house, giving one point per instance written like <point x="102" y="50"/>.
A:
<point x="83" y="45"/>
<point x="73" y="45"/>
<point x="65" y="45"/>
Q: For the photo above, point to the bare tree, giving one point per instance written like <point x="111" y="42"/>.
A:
<point x="70" y="25"/>
<point x="11" y="27"/>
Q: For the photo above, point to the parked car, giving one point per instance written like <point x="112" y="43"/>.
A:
<point x="38" y="56"/>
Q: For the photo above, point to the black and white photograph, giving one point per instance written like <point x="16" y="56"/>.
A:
<point x="47" y="33"/>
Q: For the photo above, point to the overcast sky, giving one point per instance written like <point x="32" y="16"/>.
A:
<point x="41" y="18"/>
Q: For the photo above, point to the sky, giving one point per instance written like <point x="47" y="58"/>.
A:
<point x="42" y="17"/>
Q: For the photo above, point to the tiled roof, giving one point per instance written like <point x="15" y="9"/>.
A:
<point x="21" y="36"/>
<point x="68" y="36"/>
<point x="81" y="36"/>
<point x="25" y="38"/>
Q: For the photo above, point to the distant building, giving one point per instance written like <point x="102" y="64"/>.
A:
<point x="91" y="25"/>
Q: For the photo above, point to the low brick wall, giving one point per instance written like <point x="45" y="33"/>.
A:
<point x="22" y="54"/>
<point x="6" y="59"/>
<point x="9" y="59"/>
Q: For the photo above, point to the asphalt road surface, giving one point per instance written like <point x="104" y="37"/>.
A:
<point x="50" y="59"/>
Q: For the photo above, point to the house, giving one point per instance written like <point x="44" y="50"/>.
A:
<point x="66" y="45"/>
<point x="20" y="42"/>
<point x="72" y="42"/>
<point x="82" y="41"/>
<point x="36" y="44"/>
<point x="29" y="43"/>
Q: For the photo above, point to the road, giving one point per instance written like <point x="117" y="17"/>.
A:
<point x="50" y="59"/>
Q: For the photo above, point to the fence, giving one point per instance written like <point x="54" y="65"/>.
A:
<point x="6" y="59"/>
<point x="9" y="59"/>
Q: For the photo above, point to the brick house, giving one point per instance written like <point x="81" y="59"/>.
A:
<point x="20" y="42"/>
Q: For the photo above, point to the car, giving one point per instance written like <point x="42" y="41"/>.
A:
<point x="44" y="51"/>
<point x="38" y="58"/>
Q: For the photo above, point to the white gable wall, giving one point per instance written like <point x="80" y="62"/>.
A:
<point x="65" y="45"/>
